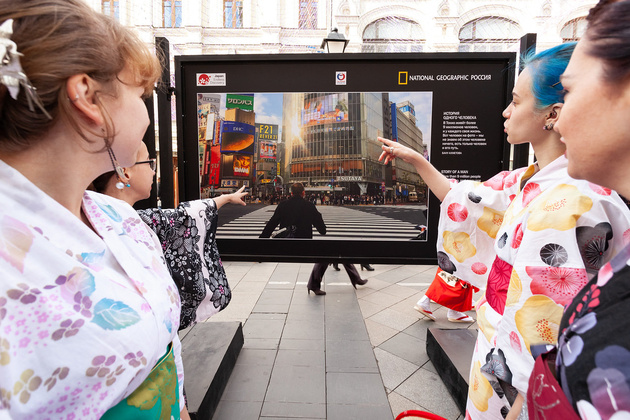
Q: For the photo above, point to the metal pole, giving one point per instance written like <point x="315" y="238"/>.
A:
<point x="165" y="132"/>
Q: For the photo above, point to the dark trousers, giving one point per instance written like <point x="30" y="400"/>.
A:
<point x="315" y="281"/>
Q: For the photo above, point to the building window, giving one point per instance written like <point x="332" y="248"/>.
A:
<point x="111" y="8"/>
<point x="308" y="14"/>
<point x="172" y="13"/>
<point x="233" y="13"/>
<point x="573" y="30"/>
<point x="393" y="34"/>
<point x="489" y="34"/>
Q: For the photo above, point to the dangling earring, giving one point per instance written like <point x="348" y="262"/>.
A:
<point x="120" y="172"/>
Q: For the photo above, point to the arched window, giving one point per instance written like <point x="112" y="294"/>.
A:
<point x="573" y="30"/>
<point x="490" y="33"/>
<point x="393" y="34"/>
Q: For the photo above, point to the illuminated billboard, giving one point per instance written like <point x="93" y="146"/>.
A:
<point x="325" y="109"/>
<point x="267" y="149"/>
<point x="236" y="166"/>
<point x="244" y="102"/>
<point x="237" y="137"/>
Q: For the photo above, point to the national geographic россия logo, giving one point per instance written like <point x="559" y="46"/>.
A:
<point x="403" y="77"/>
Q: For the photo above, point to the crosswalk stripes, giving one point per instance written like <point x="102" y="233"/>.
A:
<point x="341" y="223"/>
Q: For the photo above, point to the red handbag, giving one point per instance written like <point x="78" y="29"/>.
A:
<point x="545" y="398"/>
<point x="451" y="292"/>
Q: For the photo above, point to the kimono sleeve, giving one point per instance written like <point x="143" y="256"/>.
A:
<point x="188" y="238"/>
<point x="470" y="217"/>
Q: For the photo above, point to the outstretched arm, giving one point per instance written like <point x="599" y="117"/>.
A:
<point x="234" y="198"/>
<point x="438" y="183"/>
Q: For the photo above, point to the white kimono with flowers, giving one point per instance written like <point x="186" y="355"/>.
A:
<point x="532" y="238"/>
<point x="84" y="316"/>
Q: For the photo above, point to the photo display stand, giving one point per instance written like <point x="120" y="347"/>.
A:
<point x="267" y="121"/>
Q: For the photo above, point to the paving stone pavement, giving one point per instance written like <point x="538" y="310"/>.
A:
<point x="352" y="354"/>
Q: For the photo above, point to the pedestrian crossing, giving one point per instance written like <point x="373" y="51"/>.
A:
<point x="341" y="223"/>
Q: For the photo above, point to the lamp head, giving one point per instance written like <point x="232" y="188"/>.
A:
<point x="335" y="42"/>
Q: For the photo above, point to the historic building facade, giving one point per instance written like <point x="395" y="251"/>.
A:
<point x="343" y="153"/>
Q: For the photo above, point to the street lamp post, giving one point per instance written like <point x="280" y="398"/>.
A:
<point x="334" y="42"/>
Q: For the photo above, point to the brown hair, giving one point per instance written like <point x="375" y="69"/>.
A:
<point x="100" y="183"/>
<point x="59" y="39"/>
<point x="608" y="33"/>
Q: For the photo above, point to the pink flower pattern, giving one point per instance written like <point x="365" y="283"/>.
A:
<point x="559" y="283"/>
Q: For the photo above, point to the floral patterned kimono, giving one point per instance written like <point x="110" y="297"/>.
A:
<point x="84" y="314"/>
<point x="533" y="238"/>
<point x="188" y="238"/>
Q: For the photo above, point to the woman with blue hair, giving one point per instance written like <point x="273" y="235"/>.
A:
<point x="532" y="237"/>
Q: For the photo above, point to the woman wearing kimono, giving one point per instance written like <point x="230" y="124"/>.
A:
<point x="187" y="235"/>
<point x="590" y="376"/>
<point x="88" y="309"/>
<point x="532" y="237"/>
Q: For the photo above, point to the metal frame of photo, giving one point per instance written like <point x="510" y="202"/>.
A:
<point x="365" y="73"/>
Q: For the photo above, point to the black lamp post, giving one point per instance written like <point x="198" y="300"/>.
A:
<point x="335" y="42"/>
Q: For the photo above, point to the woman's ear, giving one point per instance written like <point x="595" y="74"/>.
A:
<point x="126" y="177"/>
<point x="81" y="90"/>
<point x="554" y="114"/>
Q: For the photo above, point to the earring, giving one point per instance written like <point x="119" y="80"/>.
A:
<point x="548" y="127"/>
<point x="120" y="172"/>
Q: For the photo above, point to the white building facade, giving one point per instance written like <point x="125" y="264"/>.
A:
<point x="298" y="26"/>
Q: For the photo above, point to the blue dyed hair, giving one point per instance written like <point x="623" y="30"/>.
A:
<point x="545" y="69"/>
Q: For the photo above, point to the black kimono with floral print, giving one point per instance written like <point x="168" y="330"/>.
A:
<point x="188" y="238"/>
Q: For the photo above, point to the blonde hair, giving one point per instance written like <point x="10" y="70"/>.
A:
<point x="60" y="39"/>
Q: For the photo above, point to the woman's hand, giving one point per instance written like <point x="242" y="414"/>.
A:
<point x="392" y="149"/>
<point x="237" y="197"/>
<point x="517" y="407"/>
<point x="438" y="183"/>
<point x="234" y="198"/>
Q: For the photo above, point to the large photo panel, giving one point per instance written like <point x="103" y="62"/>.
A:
<point x="266" y="122"/>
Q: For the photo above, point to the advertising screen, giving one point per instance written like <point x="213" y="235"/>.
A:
<point x="277" y="129"/>
<point x="237" y="137"/>
<point x="236" y="165"/>
<point x="267" y="149"/>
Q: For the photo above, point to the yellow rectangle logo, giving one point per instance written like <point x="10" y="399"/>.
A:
<point x="403" y="76"/>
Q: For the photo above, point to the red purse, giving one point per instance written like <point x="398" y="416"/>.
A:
<point x="451" y="292"/>
<point x="545" y="398"/>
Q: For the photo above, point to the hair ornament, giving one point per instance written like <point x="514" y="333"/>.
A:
<point x="11" y="74"/>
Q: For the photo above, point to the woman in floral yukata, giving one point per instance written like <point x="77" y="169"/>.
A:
<point x="592" y="364"/>
<point x="187" y="235"/>
<point x="88" y="309"/>
<point x="532" y="238"/>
